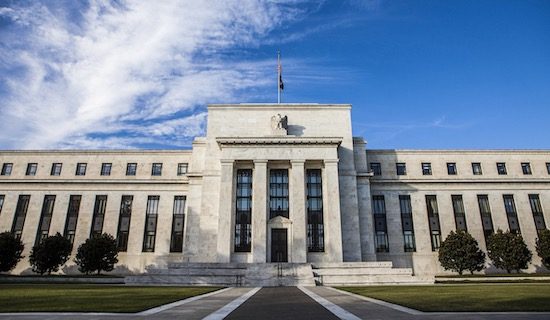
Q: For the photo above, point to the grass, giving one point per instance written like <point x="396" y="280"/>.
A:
<point x="463" y="297"/>
<point x="90" y="298"/>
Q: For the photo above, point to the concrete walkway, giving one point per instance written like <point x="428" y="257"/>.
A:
<point x="280" y="303"/>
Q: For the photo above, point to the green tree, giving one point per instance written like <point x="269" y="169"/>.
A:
<point x="508" y="251"/>
<point x="459" y="252"/>
<point x="50" y="254"/>
<point x="97" y="254"/>
<point x="10" y="251"/>
<point x="543" y="247"/>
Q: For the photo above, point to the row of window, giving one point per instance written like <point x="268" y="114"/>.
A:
<point x="381" y="231"/>
<point x="123" y="230"/>
<point x="401" y="168"/>
<point x="81" y="167"/>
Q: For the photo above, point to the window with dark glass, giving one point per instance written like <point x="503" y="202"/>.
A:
<point x="426" y="168"/>
<point x="409" y="244"/>
<point x="6" y="169"/>
<point x="536" y="209"/>
<point x="31" y="169"/>
<point x="151" y="217"/>
<point x="156" y="169"/>
<point x="45" y="218"/>
<point x="131" y="169"/>
<point x="485" y="212"/>
<point x="98" y="216"/>
<point x="178" y="221"/>
<point x="476" y="168"/>
<point x="380" y="225"/>
<point x="451" y="168"/>
<point x="182" y="169"/>
<point x="526" y="168"/>
<point x="460" y="215"/>
<point x="1" y="202"/>
<point x="81" y="169"/>
<point x="511" y="213"/>
<point x="243" y="211"/>
<point x="433" y="219"/>
<point x="106" y="169"/>
<point x="72" y="217"/>
<point x="124" y="222"/>
<point x="376" y="168"/>
<point x="401" y="168"/>
<point x="548" y="167"/>
<point x="501" y="168"/>
<point x="56" y="169"/>
<point x="278" y="193"/>
<point x="20" y="214"/>
<point x="315" y="225"/>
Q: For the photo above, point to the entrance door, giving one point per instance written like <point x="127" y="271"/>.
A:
<point x="279" y="246"/>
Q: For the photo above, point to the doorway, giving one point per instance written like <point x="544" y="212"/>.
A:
<point x="279" y="245"/>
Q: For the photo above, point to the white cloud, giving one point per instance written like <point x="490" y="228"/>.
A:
<point x="84" y="81"/>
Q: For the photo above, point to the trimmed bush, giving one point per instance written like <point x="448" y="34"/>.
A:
<point x="50" y="254"/>
<point x="459" y="252"/>
<point x="543" y="247"/>
<point x="97" y="254"/>
<point x="10" y="251"/>
<point x="508" y="251"/>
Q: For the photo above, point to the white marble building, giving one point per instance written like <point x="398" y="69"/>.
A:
<point x="274" y="183"/>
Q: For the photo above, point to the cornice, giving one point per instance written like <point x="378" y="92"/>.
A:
<point x="280" y="140"/>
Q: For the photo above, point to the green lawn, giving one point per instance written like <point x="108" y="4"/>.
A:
<point x="463" y="297"/>
<point x="89" y="297"/>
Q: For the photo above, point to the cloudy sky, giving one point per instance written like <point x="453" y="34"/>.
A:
<point x="138" y="74"/>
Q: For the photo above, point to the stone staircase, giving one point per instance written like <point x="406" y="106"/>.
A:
<point x="278" y="274"/>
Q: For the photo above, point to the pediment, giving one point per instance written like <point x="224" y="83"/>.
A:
<point x="280" y="220"/>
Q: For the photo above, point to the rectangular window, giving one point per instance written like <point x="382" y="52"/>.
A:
<point x="72" y="217"/>
<point x="1" y="202"/>
<point x="131" y="169"/>
<point x="426" y="168"/>
<point x="376" y="168"/>
<point x="433" y="218"/>
<point x="536" y="209"/>
<point x="31" y="169"/>
<point x="106" y="169"/>
<point x="243" y="211"/>
<point x="6" y="169"/>
<point x="278" y="193"/>
<point x="460" y="215"/>
<point x="45" y="218"/>
<point x="99" y="215"/>
<point x="451" y="168"/>
<point x="548" y="167"/>
<point x="315" y="225"/>
<point x="124" y="223"/>
<point x="56" y="169"/>
<point x="401" y="169"/>
<point x="80" y="169"/>
<point x="485" y="212"/>
<point x="182" y="169"/>
<point x="151" y="217"/>
<point x="178" y="220"/>
<point x="476" y="168"/>
<point x="20" y="214"/>
<point x="380" y="225"/>
<point x="526" y="168"/>
<point x="156" y="169"/>
<point x="501" y="168"/>
<point x="409" y="244"/>
<point x="511" y="213"/>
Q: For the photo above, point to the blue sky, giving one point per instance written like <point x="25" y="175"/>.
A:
<point x="138" y="74"/>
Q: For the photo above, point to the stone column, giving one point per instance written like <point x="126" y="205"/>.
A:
<point x="225" y="215"/>
<point x="259" y="211"/>
<point x="333" y="224"/>
<point x="298" y="212"/>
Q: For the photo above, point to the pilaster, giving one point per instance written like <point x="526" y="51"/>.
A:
<point x="225" y="212"/>
<point x="259" y="211"/>
<point x="298" y="213"/>
<point x="333" y="224"/>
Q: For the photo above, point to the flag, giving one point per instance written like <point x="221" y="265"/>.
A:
<point x="280" y="70"/>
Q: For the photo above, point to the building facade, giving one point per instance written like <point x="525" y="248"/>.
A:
<point x="274" y="183"/>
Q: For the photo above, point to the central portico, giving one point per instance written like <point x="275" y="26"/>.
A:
<point x="271" y="179"/>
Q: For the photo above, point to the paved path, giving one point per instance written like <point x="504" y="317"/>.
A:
<point x="282" y="303"/>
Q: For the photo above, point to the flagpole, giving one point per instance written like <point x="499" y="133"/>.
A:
<point x="278" y="76"/>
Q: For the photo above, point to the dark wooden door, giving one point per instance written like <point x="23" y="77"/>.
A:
<point x="279" y="245"/>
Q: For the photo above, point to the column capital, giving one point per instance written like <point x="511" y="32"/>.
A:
<point x="331" y="161"/>
<point x="227" y="162"/>
<point x="297" y="161"/>
<point x="260" y="161"/>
